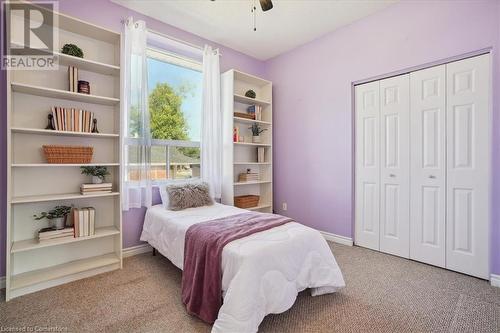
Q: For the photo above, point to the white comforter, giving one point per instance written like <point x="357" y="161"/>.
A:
<point x="261" y="273"/>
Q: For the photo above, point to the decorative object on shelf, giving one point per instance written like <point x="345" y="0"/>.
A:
<point x="73" y="78"/>
<point x="99" y="188"/>
<point x="72" y="50"/>
<point x="250" y="93"/>
<point x="84" y="221"/>
<point x="244" y="115"/>
<point x="94" y="126"/>
<point x="98" y="173"/>
<point x="49" y="234"/>
<point x="57" y="216"/>
<point x="248" y="176"/>
<point x="68" y="154"/>
<point x="241" y="138"/>
<point x="73" y="120"/>
<point x="83" y="87"/>
<point x="50" y="122"/>
<point x="256" y="131"/>
<point x="255" y="111"/>
<point x="246" y="201"/>
<point x="236" y="134"/>
<point x="260" y="155"/>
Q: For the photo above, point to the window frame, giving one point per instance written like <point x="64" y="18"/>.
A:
<point x="181" y="61"/>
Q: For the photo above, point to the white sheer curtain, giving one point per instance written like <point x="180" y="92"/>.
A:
<point x="136" y="182"/>
<point x="211" y="124"/>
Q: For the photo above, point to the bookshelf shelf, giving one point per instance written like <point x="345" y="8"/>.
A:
<point x="250" y="101"/>
<point x="252" y="144"/>
<point x="61" y="133"/>
<point x="238" y="157"/>
<point x="54" y="165"/>
<point x="58" y="197"/>
<point x="245" y="120"/>
<point x="88" y="65"/>
<point x="62" y="94"/>
<point x="59" y="271"/>
<point x="33" y="244"/>
<point x="34" y="186"/>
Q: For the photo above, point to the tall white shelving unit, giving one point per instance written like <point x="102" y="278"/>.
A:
<point x="35" y="186"/>
<point x="240" y="156"/>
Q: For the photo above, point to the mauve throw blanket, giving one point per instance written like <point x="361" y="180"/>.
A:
<point x="202" y="272"/>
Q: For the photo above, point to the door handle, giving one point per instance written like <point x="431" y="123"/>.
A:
<point x="432" y="177"/>
<point x="392" y="175"/>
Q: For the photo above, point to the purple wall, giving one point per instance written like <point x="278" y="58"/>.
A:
<point x="108" y="14"/>
<point x="312" y="100"/>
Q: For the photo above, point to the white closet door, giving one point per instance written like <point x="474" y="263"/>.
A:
<point x="395" y="165"/>
<point x="468" y="160"/>
<point x="428" y="165"/>
<point x="367" y="165"/>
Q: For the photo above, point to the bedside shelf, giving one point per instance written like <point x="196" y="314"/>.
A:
<point x="54" y="272"/>
<point x="259" y="207"/>
<point x="252" y="144"/>
<point x="57" y="197"/>
<point x="61" y="133"/>
<point x="250" y="101"/>
<point x="33" y="244"/>
<point x="253" y="182"/>
<point x="62" y="94"/>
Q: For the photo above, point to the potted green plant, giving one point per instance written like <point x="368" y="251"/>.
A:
<point x="256" y="131"/>
<point x="72" y="50"/>
<point x="56" y="216"/>
<point x="98" y="173"/>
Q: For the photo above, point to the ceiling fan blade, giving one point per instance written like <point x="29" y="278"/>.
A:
<point x="266" y="5"/>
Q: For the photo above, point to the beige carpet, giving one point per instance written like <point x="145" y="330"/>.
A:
<point x="383" y="294"/>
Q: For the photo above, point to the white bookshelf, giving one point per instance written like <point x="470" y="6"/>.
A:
<point x="34" y="186"/>
<point x="240" y="156"/>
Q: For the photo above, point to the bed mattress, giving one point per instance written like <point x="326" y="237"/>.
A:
<point x="261" y="273"/>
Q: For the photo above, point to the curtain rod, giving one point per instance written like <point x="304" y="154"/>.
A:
<point x="198" y="47"/>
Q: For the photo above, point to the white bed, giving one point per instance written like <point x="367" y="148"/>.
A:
<point x="261" y="273"/>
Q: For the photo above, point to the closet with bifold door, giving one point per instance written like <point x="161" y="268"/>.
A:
<point x="422" y="165"/>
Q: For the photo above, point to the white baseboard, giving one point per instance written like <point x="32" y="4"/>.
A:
<point x="2" y="282"/>
<point x="337" y="238"/>
<point x="135" y="250"/>
<point x="495" y="280"/>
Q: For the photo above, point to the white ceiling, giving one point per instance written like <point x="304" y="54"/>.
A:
<point x="229" y="22"/>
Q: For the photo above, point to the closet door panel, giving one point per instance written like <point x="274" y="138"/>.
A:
<point x="468" y="165"/>
<point x="428" y="165"/>
<point x="394" y="171"/>
<point x="367" y="156"/>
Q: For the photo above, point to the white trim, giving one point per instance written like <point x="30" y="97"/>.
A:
<point x="135" y="250"/>
<point x="2" y="282"/>
<point x="495" y="280"/>
<point x="337" y="238"/>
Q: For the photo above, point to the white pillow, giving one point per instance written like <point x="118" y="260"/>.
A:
<point x="163" y="184"/>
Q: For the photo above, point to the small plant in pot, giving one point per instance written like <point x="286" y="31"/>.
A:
<point x="56" y="216"/>
<point x="98" y="173"/>
<point x="256" y="131"/>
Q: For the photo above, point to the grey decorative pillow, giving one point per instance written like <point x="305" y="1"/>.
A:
<point x="189" y="195"/>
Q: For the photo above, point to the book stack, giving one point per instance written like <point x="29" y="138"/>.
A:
<point x="248" y="176"/>
<point x="72" y="120"/>
<point x="256" y="111"/>
<point x="84" y="221"/>
<point x="48" y="234"/>
<point x="73" y="78"/>
<point x="96" y="188"/>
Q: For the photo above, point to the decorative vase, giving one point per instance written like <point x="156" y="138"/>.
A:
<point x="58" y="223"/>
<point x="96" y="180"/>
<point x="256" y="139"/>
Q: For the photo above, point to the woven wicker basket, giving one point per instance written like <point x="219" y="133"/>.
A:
<point x="68" y="154"/>
<point x="246" y="201"/>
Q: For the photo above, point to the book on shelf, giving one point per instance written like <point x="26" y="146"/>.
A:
<point x="73" y="78"/>
<point x="84" y="221"/>
<point x="260" y="155"/>
<point x="96" y="188"/>
<point x="255" y="111"/>
<point x="71" y="119"/>
<point x="245" y="177"/>
<point x="47" y="234"/>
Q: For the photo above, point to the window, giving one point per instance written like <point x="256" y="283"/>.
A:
<point x="175" y="97"/>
